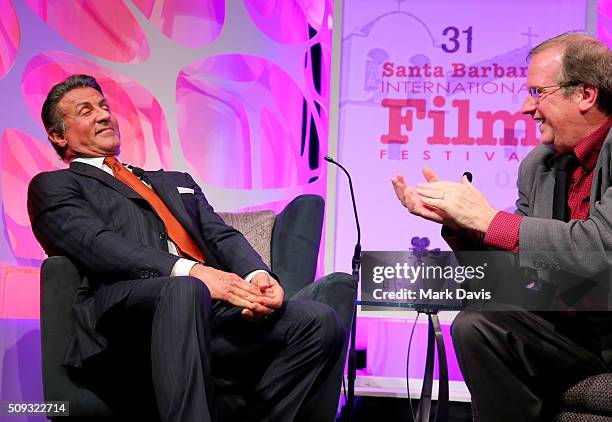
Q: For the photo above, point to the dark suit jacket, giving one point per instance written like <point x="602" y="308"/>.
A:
<point x="113" y="234"/>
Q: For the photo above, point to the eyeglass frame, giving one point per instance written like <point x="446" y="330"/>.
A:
<point x="538" y="90"/>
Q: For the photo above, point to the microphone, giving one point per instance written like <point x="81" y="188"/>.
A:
<point x="138" y="172"/>
<point x="352" y="358"/>
<point x="357" y="254"/>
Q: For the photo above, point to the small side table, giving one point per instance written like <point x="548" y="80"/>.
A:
<point x="435" y="344"/>
<point x="435" y="341"/>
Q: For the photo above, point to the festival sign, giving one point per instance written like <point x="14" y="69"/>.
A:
<point x="439" y="84"/>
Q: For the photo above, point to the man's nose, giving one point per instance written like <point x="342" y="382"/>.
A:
<point x="529" y="105"/>
<point x="102" y="114"/>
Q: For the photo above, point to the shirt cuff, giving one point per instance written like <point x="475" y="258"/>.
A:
<point x="252" y="274"/>
<point x="503" y="232"/>
<point x="182" y="267"/>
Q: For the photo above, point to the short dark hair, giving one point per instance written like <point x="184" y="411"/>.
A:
<point x="586" y="61"/>
<point x="52" y="116"/>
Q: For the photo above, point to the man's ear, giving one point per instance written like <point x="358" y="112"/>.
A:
<point x="58" y="139"/>
<point x="587" y="97"/>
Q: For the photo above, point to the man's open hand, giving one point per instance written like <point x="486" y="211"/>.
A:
<point x="410" y="199"/>
<point x="462" y="203"/>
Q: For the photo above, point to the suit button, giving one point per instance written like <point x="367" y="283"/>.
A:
<point x="162" y="236"/>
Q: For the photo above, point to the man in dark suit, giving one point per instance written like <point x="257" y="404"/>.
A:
<point x="172" y="295"/>
<point x="517" y="364"/>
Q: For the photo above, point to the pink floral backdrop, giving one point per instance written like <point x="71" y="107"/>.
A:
<point x="604" y="21"/>
<point x="236" y="93"/>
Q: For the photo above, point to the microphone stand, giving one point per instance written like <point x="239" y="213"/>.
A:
<point x="356" y="265"/>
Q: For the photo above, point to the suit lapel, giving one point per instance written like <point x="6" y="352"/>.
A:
<point x="601" y="181"/>
<point x="102" y="176"/>
<point x="596" y="191"/>
<point x="167" y="192"/>
<point x="172" y="198"/>
<point x="545" y="188"/>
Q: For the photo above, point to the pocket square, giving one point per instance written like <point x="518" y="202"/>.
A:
<point x="184" y="190"/>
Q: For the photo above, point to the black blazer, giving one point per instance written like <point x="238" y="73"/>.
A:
<point x="113" y="234"/>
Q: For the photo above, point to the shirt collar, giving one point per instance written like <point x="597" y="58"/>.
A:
<point x="589" y="147"/>
<point x="92" y="161"/>
<point x="98" y="162"/>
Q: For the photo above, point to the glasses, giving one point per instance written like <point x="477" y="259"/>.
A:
<point x="537" y="92"/>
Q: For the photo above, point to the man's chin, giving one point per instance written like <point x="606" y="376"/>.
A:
<point x="112" y="148"/>
<point x="547" y="141"/>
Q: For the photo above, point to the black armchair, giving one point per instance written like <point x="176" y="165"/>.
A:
<point x="289" y="242"/>
<point x="590" y="400"/>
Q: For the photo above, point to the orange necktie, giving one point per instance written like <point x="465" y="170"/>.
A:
<point x="176" y="232"/>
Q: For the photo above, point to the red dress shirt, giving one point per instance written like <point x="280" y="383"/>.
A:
<point x="503" y="232"/>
